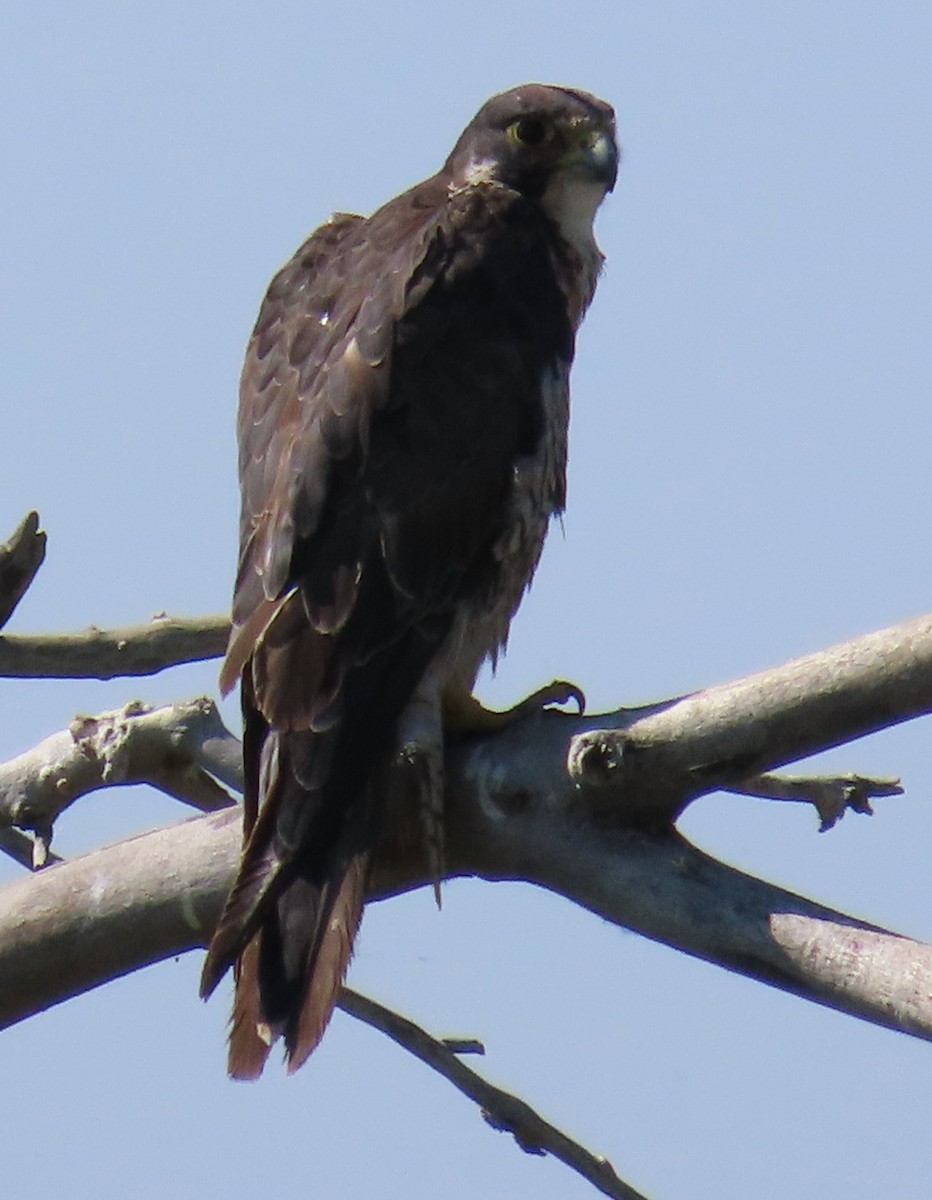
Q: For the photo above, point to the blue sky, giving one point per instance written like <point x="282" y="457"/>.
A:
<point x="748" y="483"/>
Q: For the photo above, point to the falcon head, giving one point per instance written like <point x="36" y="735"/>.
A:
<point x="554" y="145"/>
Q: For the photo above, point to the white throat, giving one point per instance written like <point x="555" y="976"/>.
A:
<point x="571" y="203"/>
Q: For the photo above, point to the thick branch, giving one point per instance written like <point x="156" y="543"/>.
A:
<point x="700" y="743"/>
<point x="87" y="921"/>
<point x="664" y="888"/>
<point x="78" y="924"/>
<point x="182" y="749"/>
<point x="109" y="654"/>
<point x="515" y="811"/>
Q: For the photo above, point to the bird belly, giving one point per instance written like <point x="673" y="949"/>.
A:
<point x="480" y="630"/>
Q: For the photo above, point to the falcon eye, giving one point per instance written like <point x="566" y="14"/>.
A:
<point x="529" y="131"/>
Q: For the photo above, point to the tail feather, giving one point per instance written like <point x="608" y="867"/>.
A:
<point x="289" y="976"/>
<point x="253" y="894"/>
<point x="288" y="761"/>
<point x="312" y="816"/>
<point x="327" y="965"/>
<point x="254" y="889"/>
<point x="296" y="903"/>
<point x="250" y="1035"/>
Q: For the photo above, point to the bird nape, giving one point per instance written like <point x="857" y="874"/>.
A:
<point x="402" y="448"/>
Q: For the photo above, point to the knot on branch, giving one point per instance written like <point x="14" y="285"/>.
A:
<point x="103" y="739"/>
<point x="595" y="759"/>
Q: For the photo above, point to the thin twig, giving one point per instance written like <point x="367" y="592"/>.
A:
<point x="20" y="558"/>
<point x="25" y="850"/>
<point x="464" y="1045"/>
<point x="113" y="653"/>
<point x="501" y="1109"/>
<point x="831" y="795"/>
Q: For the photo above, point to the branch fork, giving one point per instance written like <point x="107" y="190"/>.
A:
<point x="583" y="805"/>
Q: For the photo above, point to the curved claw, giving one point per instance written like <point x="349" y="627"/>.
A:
<point x="464" y="713"/>
<point x="558" y="693"/>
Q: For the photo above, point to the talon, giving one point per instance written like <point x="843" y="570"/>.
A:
<point x="557" y="694"/>
<point x="424" y="771"/>
<point x="463" y="713"/>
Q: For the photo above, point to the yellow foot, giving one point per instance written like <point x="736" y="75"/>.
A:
<point x="463" y="713"/>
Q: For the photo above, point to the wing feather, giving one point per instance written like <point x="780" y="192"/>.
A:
<point x="392" y="382"/>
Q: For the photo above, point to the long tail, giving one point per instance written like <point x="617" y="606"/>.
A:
<point x="288" y="978"/>
<point x="293" y="913"/>
<point x="312" y="816"/>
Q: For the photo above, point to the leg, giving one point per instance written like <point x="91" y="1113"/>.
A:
<point x="420" y="757"/>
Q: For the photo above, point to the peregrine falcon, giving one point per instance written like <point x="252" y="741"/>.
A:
<point x="402" y="448"/>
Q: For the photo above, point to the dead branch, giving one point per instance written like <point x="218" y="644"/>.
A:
<point x="109" y="654"/>
<point x="527" y="804"/>
<point x="182" y="749"/>
<point x="29" y="852"/>
<point x="84" y="922"/>
<point x="501" y="1109"/>
<point x="20" y="558"/>
<point x="658" y="760"/>
<point x="75" y="925"/>
<point x="831" y="795"/>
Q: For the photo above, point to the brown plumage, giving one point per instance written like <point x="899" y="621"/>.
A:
<point x="402" y="433"/>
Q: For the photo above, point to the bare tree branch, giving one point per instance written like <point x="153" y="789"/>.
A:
<point x="520" y="806"/>
<point x="26" y="851"/>
<point x="463" y="1045"/>
<point x="84" y="922"/>
<point x="533" y="803"/>
<point x="20" y="558"/>
<point x="109" y="654"/>
<point x="81" y="923"/>
<point x="182" y="749"/>
<point x="831" y="795"/>
<point x="656" y="761"/>
<point x="502" y="1110"/>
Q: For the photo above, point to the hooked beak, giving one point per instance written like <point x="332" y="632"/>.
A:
<point x="600" y="157"/>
